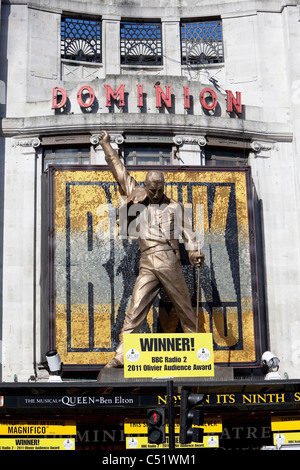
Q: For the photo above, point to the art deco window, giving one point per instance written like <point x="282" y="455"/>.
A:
<point x="141" y="43"/>
<point x="81" y="39"/>
<point x="225" y="157"/>
<point x="66" y="156"/>
<point x="201" y="42"/>
<point x="148" y="155"/>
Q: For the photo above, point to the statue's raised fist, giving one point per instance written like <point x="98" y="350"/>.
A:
<point x="104" y="137"/>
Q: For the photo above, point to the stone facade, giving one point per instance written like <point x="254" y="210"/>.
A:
<point x="261" y="61"/>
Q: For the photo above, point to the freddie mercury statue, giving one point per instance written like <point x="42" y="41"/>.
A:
<point x="160" y="259"/>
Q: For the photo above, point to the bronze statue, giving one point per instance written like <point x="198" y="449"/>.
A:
<point x="160" y="260"/>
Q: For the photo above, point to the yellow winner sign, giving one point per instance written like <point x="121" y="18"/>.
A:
<point x="168" y="355"/>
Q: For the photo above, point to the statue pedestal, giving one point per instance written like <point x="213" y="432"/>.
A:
<point x="113" y="376"/>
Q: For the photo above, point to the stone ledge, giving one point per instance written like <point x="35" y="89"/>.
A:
<point x="124" y="122"/>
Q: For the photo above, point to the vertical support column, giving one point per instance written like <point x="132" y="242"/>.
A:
<point x="171" y="46"/>
<point x="171" y="414"/>
<point x="111" y="44"/>
<point x="2" y="178"/>
<point x="20" y="261"/>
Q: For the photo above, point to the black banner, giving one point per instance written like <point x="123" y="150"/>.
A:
<point x="136" y="401"/>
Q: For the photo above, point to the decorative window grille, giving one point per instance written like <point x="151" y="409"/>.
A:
<point x="202" y="42"/>
<point x="141" y="43"/>
<point x="81" y="39"/>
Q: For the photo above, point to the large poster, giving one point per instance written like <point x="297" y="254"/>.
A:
<point x="93" y="268"/>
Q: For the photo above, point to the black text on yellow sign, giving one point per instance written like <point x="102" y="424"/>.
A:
<point x="168" y="355"/>
<point x="286" y="438"/>
<point x="37" y="428"/>
<point x="26" y="444"/>
<point x="285" y="423"/>
<point x="141" y="442"/>
<point x="139" y="426"/>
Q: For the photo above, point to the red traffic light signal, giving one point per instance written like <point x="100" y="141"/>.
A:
<point x="156" y="426"/>
<point x="154" y="417"/>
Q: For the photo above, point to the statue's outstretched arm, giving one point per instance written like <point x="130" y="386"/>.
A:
<point x="116" y="166"/>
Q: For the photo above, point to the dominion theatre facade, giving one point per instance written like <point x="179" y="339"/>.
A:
<point x="208" y="94"/>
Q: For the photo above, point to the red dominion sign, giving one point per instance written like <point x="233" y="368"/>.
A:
<point x="86" y="97"/>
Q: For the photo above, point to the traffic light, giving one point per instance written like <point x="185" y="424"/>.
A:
<point x="156" y="426"/>
<point x="190" y="417"/>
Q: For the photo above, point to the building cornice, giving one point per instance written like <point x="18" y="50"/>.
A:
<point x="166" y="124"/>
<point x="142" y="9"/>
